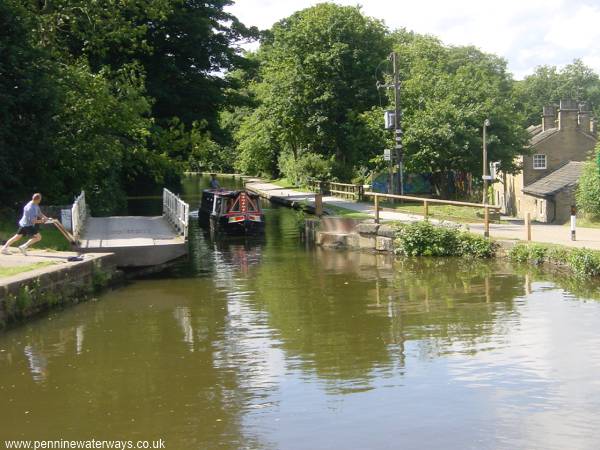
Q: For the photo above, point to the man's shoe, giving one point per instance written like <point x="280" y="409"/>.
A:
<point x="23" y="249"/>
<point x="5" y="251"/>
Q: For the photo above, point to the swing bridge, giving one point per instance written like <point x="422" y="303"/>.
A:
<point x="136" y="241"/>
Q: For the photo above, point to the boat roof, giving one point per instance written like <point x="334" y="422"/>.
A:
<point x="230" y="193"/>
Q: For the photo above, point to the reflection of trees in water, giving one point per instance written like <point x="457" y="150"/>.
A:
<point x="582" y="287"/>
<point x="345" y="315"/>
<point x="154" y="366"/>
<point x="455" y="302"/>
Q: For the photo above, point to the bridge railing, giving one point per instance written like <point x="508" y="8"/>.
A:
<point x="176" y="211"/>
<point x="79" y="214"/>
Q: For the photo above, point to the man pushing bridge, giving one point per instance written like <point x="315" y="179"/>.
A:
<point x="28" y="225"/>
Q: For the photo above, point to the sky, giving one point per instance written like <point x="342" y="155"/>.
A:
<point x="527" y="33"/>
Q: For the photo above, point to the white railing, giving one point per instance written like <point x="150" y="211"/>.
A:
<point x="78" y="214"/>
<point x="176" y="211"/>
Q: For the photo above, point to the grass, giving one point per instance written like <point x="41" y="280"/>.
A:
<point x="442" y="212"/>
<point x="345" y="212"/>
<point x="10" y="271"/>
<point x="51" y="237"/>
<point x="584" y="222"/>
<point x="284" y="183"/>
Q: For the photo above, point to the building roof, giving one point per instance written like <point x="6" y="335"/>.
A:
<point x="539" y="137"/>
<point x="565" y="176"/>
<point x="534" y="129"/>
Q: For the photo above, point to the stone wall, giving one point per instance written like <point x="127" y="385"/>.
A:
<point x="26" y="295"/>
<point x="363" y="235"/>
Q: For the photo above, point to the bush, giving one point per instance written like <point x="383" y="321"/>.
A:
<point x="588" y="192"/>
<point x="532" y="253"/>
<point x="307" y="165"/>
<point x="584" y="262"/>
<point x="425" y="239"/>
<point x="476" y="246"/>
<point x="581" y="261"/>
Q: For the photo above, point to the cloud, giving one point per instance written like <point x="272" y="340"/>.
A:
<point x="527" y="33"/>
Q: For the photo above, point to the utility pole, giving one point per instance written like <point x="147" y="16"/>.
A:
<point x="398" y="152"/>
<point x="397" y="124"/>
<point x="485" y="176"/>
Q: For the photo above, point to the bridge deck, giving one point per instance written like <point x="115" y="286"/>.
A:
<point x="128" y="231"/>
<point x="136" y="240"/>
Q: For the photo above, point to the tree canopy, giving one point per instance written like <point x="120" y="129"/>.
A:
<point x="121" y="97"/>
<point x="95" y="93"/>
<point x="548" y="85"/>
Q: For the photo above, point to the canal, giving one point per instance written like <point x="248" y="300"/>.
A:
<point x="271" y="344"/>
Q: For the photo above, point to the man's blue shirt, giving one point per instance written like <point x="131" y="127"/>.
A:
<point x="31" y="212"/>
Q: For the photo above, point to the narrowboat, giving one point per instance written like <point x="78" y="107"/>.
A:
<point x="232" y="212"/>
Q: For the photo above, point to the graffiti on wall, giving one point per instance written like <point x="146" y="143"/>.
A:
<point x="413" y="183"/>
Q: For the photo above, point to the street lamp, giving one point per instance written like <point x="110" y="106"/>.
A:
<point x="485" y="176"/>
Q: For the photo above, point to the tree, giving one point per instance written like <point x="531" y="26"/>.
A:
<point x="548" y="85"/>
<point x="447" y="93"/>
<point x="315" y="77"/>
<point x="588" y="190"/>
<point x="28" y="105"/>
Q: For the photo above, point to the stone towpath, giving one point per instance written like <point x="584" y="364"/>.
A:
<point x="546" y="233"/>
<point x="58" y="260"/>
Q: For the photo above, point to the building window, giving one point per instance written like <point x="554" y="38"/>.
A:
<point x="539" y="162"/>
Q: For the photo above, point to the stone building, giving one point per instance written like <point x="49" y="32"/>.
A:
<point x="546" y="185"/>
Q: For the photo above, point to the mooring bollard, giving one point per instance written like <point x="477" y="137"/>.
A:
<point x="528" y="226"/>
<point x="486" y="222"/>
<point x="376" y="209"/>
<point x="318" y="205"/>
<point x="573" y="221"/>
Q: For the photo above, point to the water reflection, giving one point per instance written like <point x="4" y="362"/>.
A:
<point x="268" y="344"/>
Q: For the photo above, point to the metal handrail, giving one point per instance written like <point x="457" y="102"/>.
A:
<point x="79" y="214"/>
<point x="176" y="211"/>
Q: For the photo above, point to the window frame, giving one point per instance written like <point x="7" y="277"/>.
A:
<point x="533" y="161"/>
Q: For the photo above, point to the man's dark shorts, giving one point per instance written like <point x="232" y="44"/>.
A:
<point x="28" y="231"/>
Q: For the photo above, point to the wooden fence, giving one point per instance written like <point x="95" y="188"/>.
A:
<point x="343" y="190"/>
<point x="428" y="201"/>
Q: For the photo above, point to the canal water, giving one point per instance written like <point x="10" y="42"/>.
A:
<point x="271" y="344"/>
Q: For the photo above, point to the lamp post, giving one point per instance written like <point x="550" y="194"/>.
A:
<point x="485" y="176"/>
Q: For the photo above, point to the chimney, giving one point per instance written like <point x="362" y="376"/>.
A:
<point x="567" y="115"/>
<point x="584" y="117"/>
<point x="548" y="117"/>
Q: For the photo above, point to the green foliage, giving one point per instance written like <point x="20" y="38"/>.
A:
<point x="548" y="85"/>
<point x="100" y="279"/>
<point x="305" y="166"/>
<point x="112" y="97"/>
<point x="314" y="82"/>
<point x="584" y="262"/>
<point x="425" y="239"/>
<point x="29" y="101"/>
<point x="531" y="253"/>
<point x="588" y="190"/>
<point x="447" y="93"/>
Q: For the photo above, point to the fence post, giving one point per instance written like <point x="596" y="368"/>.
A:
<point x="486" y="222"/>
<point x="318" y="205"/>
<point x="425" y="209"/>
<point x="376" y="209"/>
<point x="528" y="226"/>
